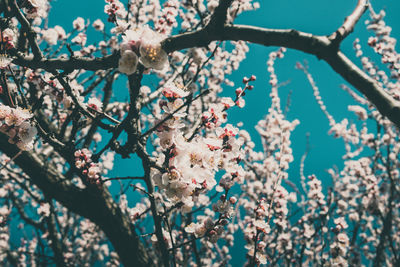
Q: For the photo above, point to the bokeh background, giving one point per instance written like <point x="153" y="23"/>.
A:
<point x="320" y="17"/>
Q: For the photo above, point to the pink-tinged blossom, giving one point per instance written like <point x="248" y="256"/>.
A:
<point x="359" y="111"/>
<point x="172" y="90"/>
<point x="50" y="36"/>
<point x="83" y="162"/>
<point x="9" y="38"/>
<point x="80" y="39"/>
<point x="15" y="123"/>
<point x="95" y="103"/>
<point x="115" y="9"/>
<point x="44" y="209"/>
<point x="36" y="9"/>
<point x="4" y="61"/>
<point x="26" y="132"/>
<point x="78" y="24"/>
<point x="98" y="25"/>
<point x="61" y="32"/>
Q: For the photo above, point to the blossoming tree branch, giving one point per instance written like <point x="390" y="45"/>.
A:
<point x="203" y="180"/>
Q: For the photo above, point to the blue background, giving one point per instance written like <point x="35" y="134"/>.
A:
<point x="313" y="16"/>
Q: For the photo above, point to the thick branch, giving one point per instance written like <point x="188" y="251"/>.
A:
<point x="385" y="104"/>
<point x="218" y="18"/>
<point x="27" y="28"/>
<point x="349" y="23"/>
<point x="92" y="203"/>
<point x="156" y="216"/>
<point x="103" y="63"/>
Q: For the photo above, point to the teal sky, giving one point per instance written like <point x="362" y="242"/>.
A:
<point x="315" y="16"/>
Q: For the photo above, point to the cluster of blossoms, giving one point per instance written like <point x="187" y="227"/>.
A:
<point x="341" y="242"/>
<point x="4" y="233"/>
<point x="383" y="44"/>
<point x="36" y="9"/>
<point x="256" y="228"/>
<point x="114" y="9"/>
<point x="316" y="199"/>
<point x="44" y="209"/>
<point x="8" y="39"/>
<point x="239" y="101"/>
<point x="83" y="161"/>
<point x="53" y="35"/>
<point x="95" y="104"/>
<point x="52" y="91"/>
<point x="266" y="171"/>
<point x="167" y="20"/>
<point x="142" y="45"/>
<point x="16" y="124"/>
<point x="88" y="245"/>
<point x="214" y="230"/>
<point x="192" y="162"/>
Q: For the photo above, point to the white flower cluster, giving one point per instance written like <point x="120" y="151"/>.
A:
<point x="254" y="228"/>
<point x="383" y="44"/>
<point x="115" y="9"/>
<point x="4" y="233"/>
<point x="199" y="229"/>
<point x="83" y="161"/>
<point x="167" y="238"/>
<point x="167" y="19"/>
<point x="36" y="9"/>
<point x="340" y="245"/>
<point x="44" y="209"/>
<point x="214" y="230"/>
<point x="142" y="45"/>
<point x="95" y="103"/>
<point x="8" y="38"/>
<point x="52" y="35"/>
<point x="192" y="165"/>
<point x="4" y="61"/>
<point x="15" y="122"/>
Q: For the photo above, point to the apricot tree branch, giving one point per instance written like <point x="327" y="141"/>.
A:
<point x="349" y="23"/>
<point x="218" y="18"/>
<point x="26" y="26"/>
<point x="92" y="203"/>
<point x="62" y="63"/>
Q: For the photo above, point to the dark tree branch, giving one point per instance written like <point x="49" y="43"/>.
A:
<point x="122" y="178"/>
<point x="81" y="107"/>
<point x="37" y="54"/>
<point x="218" y="18"/>
<point x="103" y="63"/>
<point x="93" y="203"/>
<point x="156" y="216"/>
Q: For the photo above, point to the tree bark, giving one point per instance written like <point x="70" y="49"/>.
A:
<point x="93" y="203"/>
